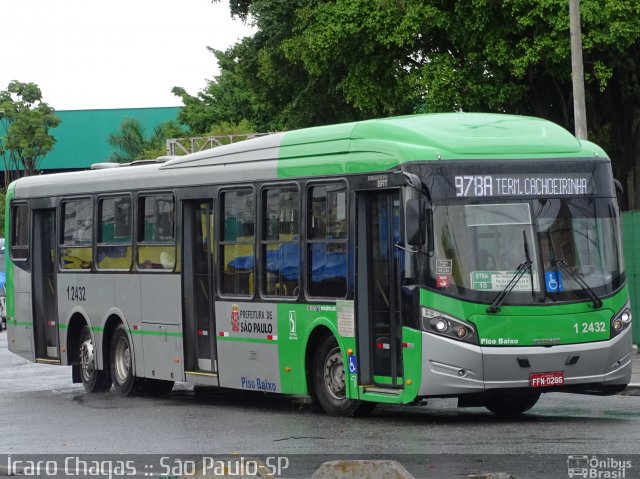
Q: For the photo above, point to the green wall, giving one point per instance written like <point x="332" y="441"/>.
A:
<point x="81" y="138"/>
<point x="631" y="246"/>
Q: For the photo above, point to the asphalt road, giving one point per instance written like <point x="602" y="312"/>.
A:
<point x="42" y="412"/>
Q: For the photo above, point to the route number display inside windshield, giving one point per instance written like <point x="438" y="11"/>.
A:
<point x="472" y="186"/>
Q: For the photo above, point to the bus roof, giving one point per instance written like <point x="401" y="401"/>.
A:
<point x="359" y="147"/>
<point x="387" y="142"/>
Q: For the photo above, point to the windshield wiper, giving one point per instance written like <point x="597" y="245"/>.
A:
<point x="597" y="302"/>
<point x="524" y="267"/>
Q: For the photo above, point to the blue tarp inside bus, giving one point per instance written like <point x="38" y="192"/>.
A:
<point x="285" y="261"/>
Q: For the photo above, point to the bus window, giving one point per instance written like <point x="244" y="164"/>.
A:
<point x="156" y="232"/>
<point x="327" y="241"/>
<point x="20" y="225"/>
<point x="114" y="248"/>
<point x="237" y="242"/>
<point x="280" y="241"/>
<point x="76" y="250"/>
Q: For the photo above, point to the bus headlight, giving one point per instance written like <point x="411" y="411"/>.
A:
<point x="439" y="323"/>
<point x="621" y="321"/>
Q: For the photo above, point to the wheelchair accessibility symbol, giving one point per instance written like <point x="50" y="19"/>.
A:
<point x="553" y="282"/>
<point x="353" y="365"/>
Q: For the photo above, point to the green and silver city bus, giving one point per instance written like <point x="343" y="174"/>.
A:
<point x="474" y="256"/>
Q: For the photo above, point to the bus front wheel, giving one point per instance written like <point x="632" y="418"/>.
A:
<point x="121" y="356"/>
<point x="93" y="379"/>
<point x="511" y="404"/>
<point x="329" y="382"/>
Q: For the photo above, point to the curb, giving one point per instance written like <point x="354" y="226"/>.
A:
<point x="632" y="389"/>
<point x="4" y="471"/>
<point x="361" y="468"/>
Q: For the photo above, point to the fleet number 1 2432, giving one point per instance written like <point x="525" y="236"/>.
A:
<point x="584" y="328"/>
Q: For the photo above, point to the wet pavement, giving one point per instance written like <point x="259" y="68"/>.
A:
<point x="43" y="412"/>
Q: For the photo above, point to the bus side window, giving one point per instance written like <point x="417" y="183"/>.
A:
<point x="76" y="251"/>
<point x="281" y="241"/>
<point x="156" y="232"/>
<point x="327" y="241"/>
<point x="237" y="241"/>
<point x="20" y="231"/>
<point x="114" y="249"/>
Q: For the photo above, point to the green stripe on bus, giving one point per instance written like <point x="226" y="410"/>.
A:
<point x="147" y="332"/>
<point x="15" y="322"/>
<point x="247" y="340"/>
<point x="97" y="329"/>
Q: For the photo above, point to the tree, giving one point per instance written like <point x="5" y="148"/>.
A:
<point x="25" y="121"/>
<point x="131" y="143"/>
<point x="260" y="84"/>
<point x="3" y="204"/>
<point x="312" y="63"/>
<point x="128" y="141"/>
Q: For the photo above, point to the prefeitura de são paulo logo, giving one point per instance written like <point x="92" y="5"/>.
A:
<point x="598" y="467"/>
<point x="235" y="316"/>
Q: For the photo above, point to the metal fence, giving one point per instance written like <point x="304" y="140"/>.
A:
<point x="184" y="146"/>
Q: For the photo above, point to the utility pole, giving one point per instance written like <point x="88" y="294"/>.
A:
<point x="577" y="71"/>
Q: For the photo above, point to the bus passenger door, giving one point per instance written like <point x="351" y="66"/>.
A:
<point x="200" y="345"/>
<point x="45" y="307"/>
<point x="378" y="289"/>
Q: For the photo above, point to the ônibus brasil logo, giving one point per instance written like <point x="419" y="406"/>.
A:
<point x="597" y="467"/>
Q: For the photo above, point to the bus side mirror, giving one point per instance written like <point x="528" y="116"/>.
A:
<point x="414" y="223"/>
<point x="618" y="187"/>
<point x="619" y="190"/>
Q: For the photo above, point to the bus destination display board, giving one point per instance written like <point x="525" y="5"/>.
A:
<point x="568" y="184"/>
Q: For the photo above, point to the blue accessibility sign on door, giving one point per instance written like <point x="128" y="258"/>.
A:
<point x="353" y="365"/>
<point x="553" y="282"/>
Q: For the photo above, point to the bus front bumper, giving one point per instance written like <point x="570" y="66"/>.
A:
<point x="453" y="368"/>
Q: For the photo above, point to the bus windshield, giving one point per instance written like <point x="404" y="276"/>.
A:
<point x="572" y="243"/>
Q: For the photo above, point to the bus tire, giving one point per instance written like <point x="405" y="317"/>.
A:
<point x="121" y="357"/>
<point x="329" y="382"/>
<point x="93" y="380"/>
<point x="511" y="404"/>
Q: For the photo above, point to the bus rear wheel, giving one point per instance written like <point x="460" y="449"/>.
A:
<point x="329" y="382"/>
<point x="121" y="356"/>
<point x="93" y="379"/>
<point x="511" y="404"/>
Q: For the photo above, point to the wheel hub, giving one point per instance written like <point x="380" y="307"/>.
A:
<point x="87" y="360"/>
<point x="334" y="376"/>
<point x="122" y="360"/>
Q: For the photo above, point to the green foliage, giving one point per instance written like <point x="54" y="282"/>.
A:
<point x="132" y="144"/>
<point x="329" y="61"/>
<point x="129" y="141"/>
<point x="228" y="128"/>
<point x="260" y="84"/>
<point x="3" y="203"/>
<point x="25" y="121"/>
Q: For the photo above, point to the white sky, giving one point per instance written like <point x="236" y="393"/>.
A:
<point x="115" y="53"/>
